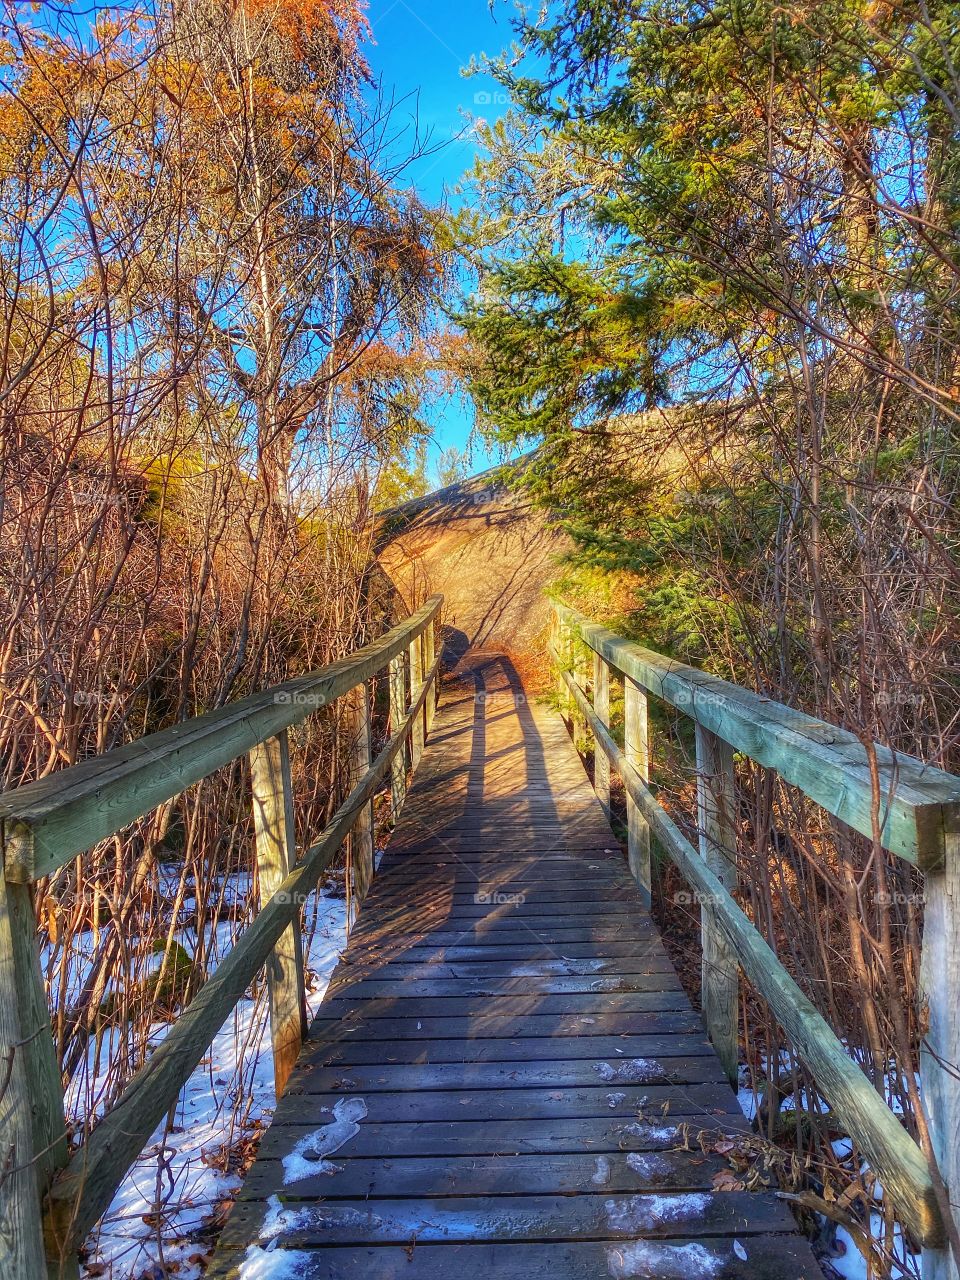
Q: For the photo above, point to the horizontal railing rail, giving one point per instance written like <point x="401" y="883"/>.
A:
<point x="912" y="808"/>
<point x="50" y="1197"/>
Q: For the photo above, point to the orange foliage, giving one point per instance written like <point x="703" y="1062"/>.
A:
<point x="305" y="22"/>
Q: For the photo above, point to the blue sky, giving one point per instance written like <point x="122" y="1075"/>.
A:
<point x="420" y="48"/>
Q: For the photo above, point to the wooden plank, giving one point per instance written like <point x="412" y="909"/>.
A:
<point x="541" y="1174"/>
<point x="543" y="1073"/>
<point x="492" y="1137"/>
<point x="774" y="1257"/>
<point x="436" y="1106"/>
<point x="46" y="822"/>
<point x="505" y="1006"/>
<point x="919" y="803"/>
<point x="519" y="1049"/>
<point x="397" y="988"/>
<point x="276" y="854"/>
<point x="892" y="1153"/>
<point x="716" y="806"/>
<point x="499" y="1025"/>
<point x="554" y="970"/>
<point x="517" y="1218"/>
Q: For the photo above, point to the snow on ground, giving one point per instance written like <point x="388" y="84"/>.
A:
<point x="184" y="1169"/>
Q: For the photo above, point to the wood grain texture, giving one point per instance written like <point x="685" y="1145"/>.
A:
<point x="398" y="708"/>
<point x="505" y="1059"/>
<point x="940" y="1048"/>
<point x="273" y="825"/>
<point x="21" y="1243"/>
<point x="636" y="747"/>
<point x="359" y="745"/>
<point x="716" y="805"/>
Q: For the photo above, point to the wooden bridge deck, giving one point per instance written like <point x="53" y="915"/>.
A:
<point x="494" y="1084"/>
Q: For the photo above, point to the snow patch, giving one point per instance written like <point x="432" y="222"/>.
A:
<point x="651" y="1132"/>
<point x="602" y="1174"/>
<point x="633" y="1215"/>
<point x="614" y="1100"/>
<point x="307" y="1157"/>
<point x="274" y="1264"/>
<point x="279" y="1220"/>
<point x="644" y="1260"/>
<point x="634" y="1071"/>
<point x="648" y="1166"/>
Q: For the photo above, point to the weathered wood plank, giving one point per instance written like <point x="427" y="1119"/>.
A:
<point x="541" y="1174"/>
<point x="518" y="1049"/>
<point x="610" y="1216"/>
<point x="774" y="1257"/>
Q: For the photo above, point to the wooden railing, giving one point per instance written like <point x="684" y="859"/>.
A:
<point x="51" y="1196"/>
<point x="906" y="806"/>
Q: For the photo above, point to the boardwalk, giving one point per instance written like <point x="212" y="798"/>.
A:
<point x="497" y="1080"/>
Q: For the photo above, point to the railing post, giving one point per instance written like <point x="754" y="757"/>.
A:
<point x="398" y="710"/>
<point x="718" y="843"/>
<point x="940" y="1047"/>
<point x="601" y="704"/>
<point x="276" y="856"/>
<point x="416" y="681"/>
<point x="358" y="729"/>
<point x="636" y="747"/>
<point x="429" y="657"/>
<point x="45" y="1089"/>
<point x="21" y="1240"/>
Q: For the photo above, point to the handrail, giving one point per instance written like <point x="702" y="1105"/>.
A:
<point x="919" y="804"/>
<point x="720" y="711"/>
<point x="46" y="822"/>
<point x="101" y="796"/>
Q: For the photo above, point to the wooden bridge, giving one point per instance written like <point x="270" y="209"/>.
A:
<point x="505" y="1076"/>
